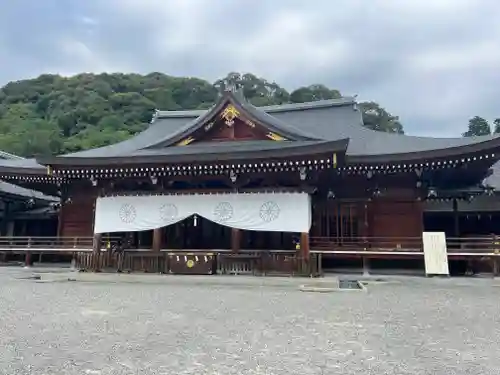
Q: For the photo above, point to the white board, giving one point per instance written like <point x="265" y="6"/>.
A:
<point x="435" y="253"/>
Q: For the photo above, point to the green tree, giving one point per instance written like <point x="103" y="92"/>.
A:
<point x="377" y="118"/>
<point x="496" y="124"/>
<point x="257" y="90"/>
<point x="24" y="133"/>
<point x="313" y="93"/>
<point x="477" y="126"/>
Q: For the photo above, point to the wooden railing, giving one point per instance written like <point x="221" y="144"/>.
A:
<point x="46" y="244"/>
<point x="462" y="245"/>
<point x="366" y="244"/>
<point x="481" y="245"/>
<point x="411" y="246"/>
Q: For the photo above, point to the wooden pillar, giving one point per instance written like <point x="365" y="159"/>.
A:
<point x="304" y="245"/>
<point x="235" y="240"/>
<point x="27" y="259"/>
<point x="60" y="220"/>
<point x="5" y="218"/>
<point x="96" y="242"/>
<point x="10" y="228"/>
<point x="96" y="251"/>
<point x="304" y="267"/>
<point x="496" y="266"/>
<point x="366" y="226"/>
<point x="366" y="266"/>
<point x="456" y="219"/>
<point x="157" y="239"/>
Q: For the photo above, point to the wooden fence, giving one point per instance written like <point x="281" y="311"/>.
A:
<point x="396" y="247"/>
<point x="201" y="263"/>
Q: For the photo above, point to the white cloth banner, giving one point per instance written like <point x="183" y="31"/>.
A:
<point x="274" y="212"/>
<point x="435" y="253"/>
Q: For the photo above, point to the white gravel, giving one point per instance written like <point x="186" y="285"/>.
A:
<point x="419" y="326"/>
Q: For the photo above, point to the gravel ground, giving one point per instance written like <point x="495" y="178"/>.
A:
<point x="418" y="326"/>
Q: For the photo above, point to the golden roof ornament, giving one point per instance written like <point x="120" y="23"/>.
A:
<point x="229" y="114"/>
<point x="275" y="137"/>
<point x="185" y="142"/>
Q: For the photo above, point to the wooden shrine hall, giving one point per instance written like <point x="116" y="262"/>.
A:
<point x="293" y="180"/>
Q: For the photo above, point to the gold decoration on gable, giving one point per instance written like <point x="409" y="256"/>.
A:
<point x="229" y="114"/>
<point x="275" y="137"/>
<point x="209" y="126"/>
<point x="249" y="123"/>
<point x="185" y="142"/>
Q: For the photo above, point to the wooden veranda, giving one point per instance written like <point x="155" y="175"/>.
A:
<point x="255" y="262"/>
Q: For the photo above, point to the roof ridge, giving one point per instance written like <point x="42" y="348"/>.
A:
<point x="347" y="100"/>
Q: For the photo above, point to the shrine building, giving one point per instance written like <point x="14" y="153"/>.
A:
<point x="296" y="178"/>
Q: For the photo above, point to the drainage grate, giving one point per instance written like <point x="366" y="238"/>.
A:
<point x="333" y="286"/>
<point x="350" y="284"/>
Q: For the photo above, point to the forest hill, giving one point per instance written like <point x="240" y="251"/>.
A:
<point x="55" y="115"/>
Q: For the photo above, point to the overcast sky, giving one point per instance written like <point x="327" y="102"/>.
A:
<point x="435" y="63"/>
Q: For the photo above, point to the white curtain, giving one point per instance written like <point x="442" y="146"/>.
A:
<point x="274" y="212"/>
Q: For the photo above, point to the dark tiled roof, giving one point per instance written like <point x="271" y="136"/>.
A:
<point x="151" y="135"/>
<point x="332" y="122"/>
<point x="11" y="189"/>
<point x="16" y="164"/>
<point x="327" y="120"/>
<point x="218" y="147"/>
<point x="216" y="151"/>
<point x="25" y="165"/>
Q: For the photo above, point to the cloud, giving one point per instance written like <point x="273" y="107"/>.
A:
<point x="432" y="63"/>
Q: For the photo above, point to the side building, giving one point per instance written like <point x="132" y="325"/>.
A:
<point x="25" y="213"/>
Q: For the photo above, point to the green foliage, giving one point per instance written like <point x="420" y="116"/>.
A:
<point x="377" y="118"/>
<point x="478" y="126"/>
<point x="496" y="124"/>
<point x="53" y="114"/>
<point x="313" y="93"/>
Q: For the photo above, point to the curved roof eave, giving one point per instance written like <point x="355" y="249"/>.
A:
<point x="21" y="166"/>
<point x="366" y="145"/>
<point x="11" y="189"/>
<point x="474" y="145"/>
<point x="191" y="153"/>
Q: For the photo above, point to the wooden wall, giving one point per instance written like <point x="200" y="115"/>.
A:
<point x="76" y="217"/>
<point x="336" y="219"/>
<point x="390" y="218"/>
<point x="400" y="220"/>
